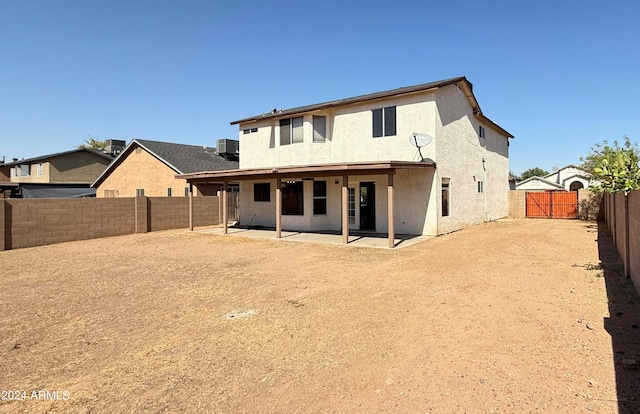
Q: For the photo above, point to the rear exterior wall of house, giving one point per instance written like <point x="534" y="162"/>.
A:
<point x="476" y="169"/>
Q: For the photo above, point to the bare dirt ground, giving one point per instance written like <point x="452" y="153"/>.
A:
<point x="501" y="317"/>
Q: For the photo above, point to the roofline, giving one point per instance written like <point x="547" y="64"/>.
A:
<point x="461" y="81"/>
<point x="357" y="99"/>
<point x="564" y="168"/>
<point x="541" y="179"/>
<point x="333" y="169"/>
<point x="57" y="154"/>
<point x="120" y="156"/>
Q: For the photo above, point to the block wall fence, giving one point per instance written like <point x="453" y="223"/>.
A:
<point x="622" y="217"/>
<point x="37" y="222"/>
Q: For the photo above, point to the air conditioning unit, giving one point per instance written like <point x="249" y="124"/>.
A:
<point x="115" y="146"/>
<point x="227" y="147"/>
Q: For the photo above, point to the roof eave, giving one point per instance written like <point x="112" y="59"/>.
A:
<point x="426" y="87"/>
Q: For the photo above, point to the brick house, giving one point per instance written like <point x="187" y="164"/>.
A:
<point x="149" y="168"/>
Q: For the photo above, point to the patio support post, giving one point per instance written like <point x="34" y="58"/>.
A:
<point x="278" y="208"/>
<point x="224" y="207"/>
<point x="392" y="234"/>
<point x="345" y="209"/>
<point x="190" y="206"/>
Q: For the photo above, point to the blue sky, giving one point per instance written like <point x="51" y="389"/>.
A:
<point x="559" y="75"/>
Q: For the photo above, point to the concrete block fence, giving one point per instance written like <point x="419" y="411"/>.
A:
<point x="37" y="222"/>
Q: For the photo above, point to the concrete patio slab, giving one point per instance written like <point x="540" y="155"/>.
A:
<point x="356" y="239"/>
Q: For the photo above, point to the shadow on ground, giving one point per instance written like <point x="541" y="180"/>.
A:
<point x="623" y="324"/>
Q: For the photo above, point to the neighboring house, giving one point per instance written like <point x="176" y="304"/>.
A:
<point x="7" y="188"/>
<point x="149" y="168"/>
<point x="354" y="163"/>
<point x="536" y="183"/>
<point x="569" y="178"/>
<point x="64" y="174"/>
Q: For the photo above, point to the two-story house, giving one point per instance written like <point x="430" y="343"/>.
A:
<point x="63" y="174"/>
<point x="415" y="160"/>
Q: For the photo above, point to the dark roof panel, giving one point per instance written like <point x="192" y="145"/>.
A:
<point x="356" y="99"/>
<point x="187" y="158"/>
<point x="58" y="154"/>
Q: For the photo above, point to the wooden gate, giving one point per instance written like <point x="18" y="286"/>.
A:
<point x="552" y="204"/>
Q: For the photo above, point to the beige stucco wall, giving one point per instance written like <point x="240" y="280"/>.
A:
<point x="350" y="136"/>
<point x="412" y="194"/>
<point x="78" y="167"/>
<point x="139" y="169"/>
<point x="460" y="155"/>
<point x="33" y="174"/>
<point x="444" y="114"/>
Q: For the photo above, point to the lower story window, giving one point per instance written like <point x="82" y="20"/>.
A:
<point x="169" y="191"/>
<point x="352" y="205"/>
<point x="293" y="198"/>
<point x="481" y="186"/>
<point x="319" y="197"/>
<point x="139" y="191"/>
<point x="261" y="192"/>
<point x="445" y="196"/>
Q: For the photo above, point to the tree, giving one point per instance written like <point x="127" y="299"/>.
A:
<point x="533" y="172"/>
<point x="615" y="167"/>
<point x="94" y="143"/>
<point x="514" y="175"/>
<point x="603" y="150"/>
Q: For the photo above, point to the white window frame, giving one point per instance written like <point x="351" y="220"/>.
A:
<point x="39" y="168"/>
<point x="293" y="130"/>
<point x="315" y="197"/>
<point x="446" y="182"/>
<point x="384" y="127"/>
<point x="319" y="136"/>
<point x="482" y="136"/>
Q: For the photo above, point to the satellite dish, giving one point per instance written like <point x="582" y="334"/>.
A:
<point x="420" y="140"/>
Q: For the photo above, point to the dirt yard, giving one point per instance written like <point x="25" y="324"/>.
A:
<point x="502" y="317"/>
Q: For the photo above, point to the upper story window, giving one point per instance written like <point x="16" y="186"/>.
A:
<point x="290" y="131"/>
<point x="481" y="135"/>
<point x="319" y="128"/>
<point x="39" y="169"/>
<point x="24" y="170"/>
<point x="384" y="121"/>
<point x="249" y="130"/>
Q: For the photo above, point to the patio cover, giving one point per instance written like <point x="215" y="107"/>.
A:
<point x="343" y="170"/>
